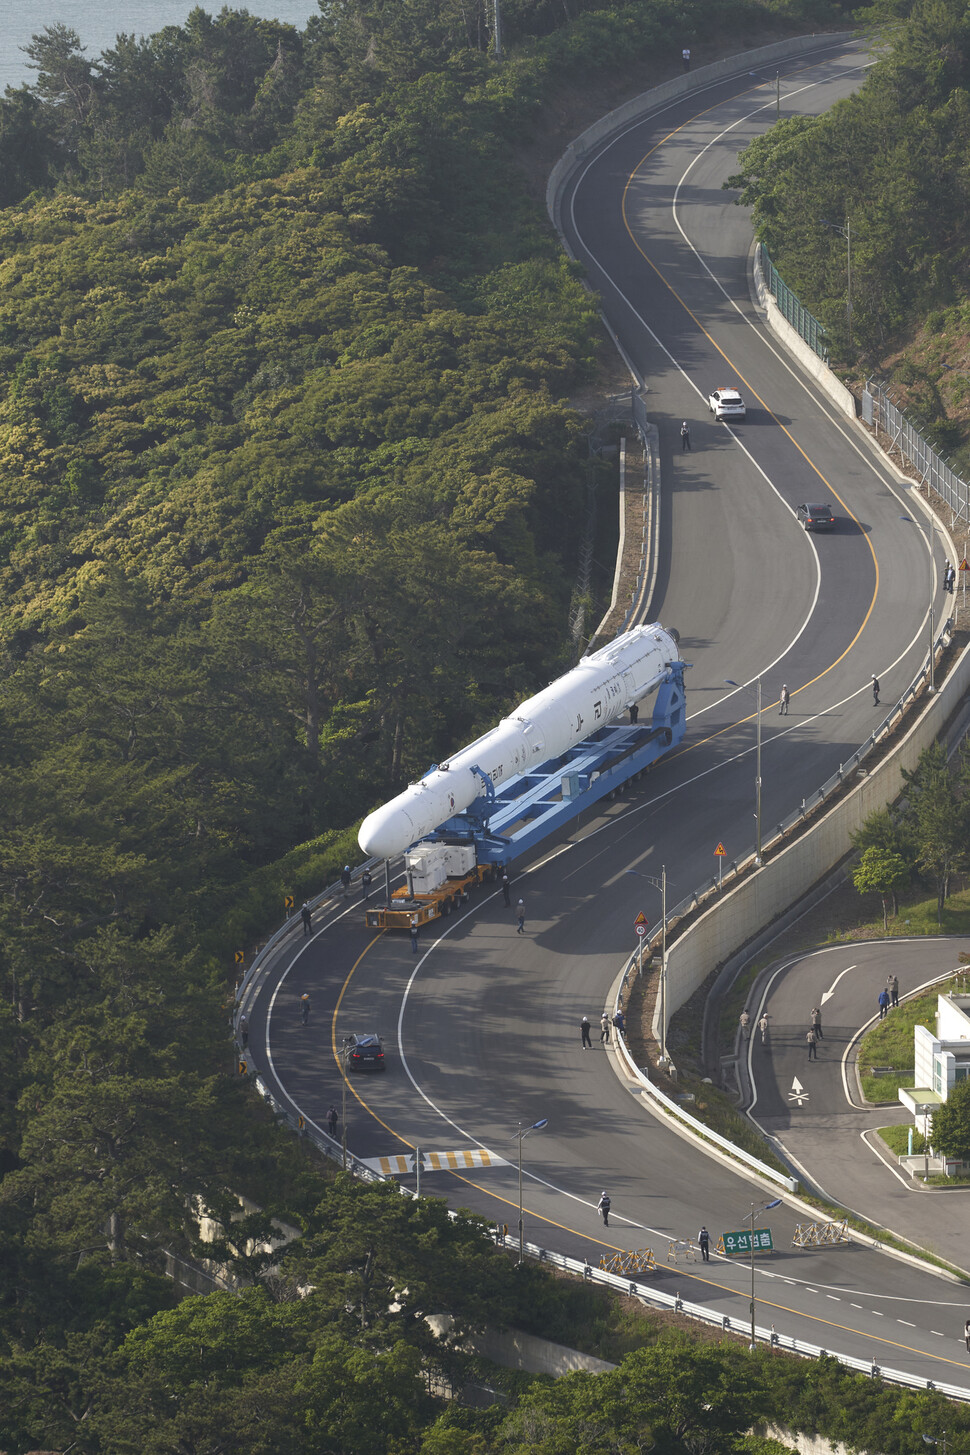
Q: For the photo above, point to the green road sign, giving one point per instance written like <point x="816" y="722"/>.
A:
<point x="741" y="1242"/>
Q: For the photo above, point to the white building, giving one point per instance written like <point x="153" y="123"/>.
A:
<point x="944" y="1059"/>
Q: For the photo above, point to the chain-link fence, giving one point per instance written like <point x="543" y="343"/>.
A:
<point x="898" y="435"/>
<point x="805" y="324"/>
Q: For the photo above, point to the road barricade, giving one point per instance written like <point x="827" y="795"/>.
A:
<point x="681" y="1250"/>
<point x="639" y="1260"/>
<point x="820" y="1235"/>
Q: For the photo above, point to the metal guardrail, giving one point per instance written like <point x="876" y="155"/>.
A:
<point x="709" y="889"/>
<point x="672" y="1301"/>
<point x="880" y="410"/>
<point x="626" y="1286"/>
<point x="805" y="324"/>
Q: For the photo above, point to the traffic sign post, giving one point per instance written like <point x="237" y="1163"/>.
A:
<point x="740" y="1242"/>
<point x="640" y="925"/>
<point x="720" y="851"/>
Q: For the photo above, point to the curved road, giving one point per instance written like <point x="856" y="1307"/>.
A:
<point x="482" y="1027"/>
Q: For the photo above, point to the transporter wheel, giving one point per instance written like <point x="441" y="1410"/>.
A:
<point x="446" y="906"/>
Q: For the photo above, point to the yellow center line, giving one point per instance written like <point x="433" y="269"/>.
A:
<point x="771" y="414"/>
<point x="576" y="1232"/>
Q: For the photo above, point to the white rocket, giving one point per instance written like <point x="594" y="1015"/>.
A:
<point x="594" y="694"/>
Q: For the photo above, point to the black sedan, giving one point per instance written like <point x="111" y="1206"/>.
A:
<point x="816" y="517"/>
<point x="364" y="1053"/>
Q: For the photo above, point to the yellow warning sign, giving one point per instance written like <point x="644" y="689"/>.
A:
<point x="720" y="851"/>
<point x="239" y="956"/>
<point x="288" y="902"/>
<point x="965" y="564"/>
<point x="641" y="919"/>
<point x="243" y="1068"/>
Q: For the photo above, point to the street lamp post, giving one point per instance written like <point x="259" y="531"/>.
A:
<point x="524" y="1132"/>
<point x="757" y="770"/>
<point x="845" y="232"/>
<point x="931" y="684"/>
<point x="660" y="884"/>
<point x="755" y="1211"/>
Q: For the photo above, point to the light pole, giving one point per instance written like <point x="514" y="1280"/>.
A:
<point x="524" y="1132"/>
<point x="755" y="1211"/>
<point x="845" y="232"/>
<point x="757" y="771"/>
<point x="931" y="686"/>
<point x="932" y="1440"/>
<point x="660" y="884"/>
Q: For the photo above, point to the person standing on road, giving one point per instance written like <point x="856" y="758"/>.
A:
<point x="783" y="700"/>
<point x="684" y="437"/>
<point x="506" y="888"/>
<point x="883" y="1004"/>
<point x="332" y="1121"/>
<point x="817" y="1024"/>
<point x="244" y="1030"/>
<point x="745" y="1022"/>
<point x="306" y="914"/>
<point x="892" y="985"/>
<point x="966" y="1335"/>
<point x="604" y="1206"/>
<point x="604" y="1029"/>
<point x="414" y="934"/>
<point x="584" y="1027"/>
<point x="704" y="1243"/>
<point x="520" y="916"/>
<point x="305" y="1007"/>
<point x="365" y="884"/>
<point x="810" y="1037"/>
<point x="345" y="879"/>
<point x="619" y="1022"/>
<point x="875" y="690"/>
<point x="763" y="1028"/>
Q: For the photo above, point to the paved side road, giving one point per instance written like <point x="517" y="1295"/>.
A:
<point x="814" y="1108"/>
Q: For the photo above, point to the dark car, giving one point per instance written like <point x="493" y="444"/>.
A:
<point x="364" y="1053"/>
<point x="816" y="517"/>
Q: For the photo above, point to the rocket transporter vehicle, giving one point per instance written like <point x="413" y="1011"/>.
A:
<point x="557" y="737"/>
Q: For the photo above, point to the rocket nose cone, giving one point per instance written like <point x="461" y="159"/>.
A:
<point x="386" y="832"/>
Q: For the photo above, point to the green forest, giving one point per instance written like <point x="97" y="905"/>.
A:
<point x="292" y="501"/>
<point x="890" y="166"/>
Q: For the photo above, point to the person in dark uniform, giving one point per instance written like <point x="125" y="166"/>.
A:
<point x="584" y="1028"/>
<point x="875" y="690"/>
<point x="704" y="1243"/>
<point x="366" y="881"/>
<point x="306" y="915"/>
<point x="604" y="1206"/>
<point x="506" y="887"/>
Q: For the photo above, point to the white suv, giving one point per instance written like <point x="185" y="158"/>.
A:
<point x="726" y="404"/>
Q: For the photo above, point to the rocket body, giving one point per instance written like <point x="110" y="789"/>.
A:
<point x="593" y="695"/>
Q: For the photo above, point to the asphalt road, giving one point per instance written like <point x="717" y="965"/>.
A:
<point x="814" y="1108"/>
<point x="482" y="1027"/>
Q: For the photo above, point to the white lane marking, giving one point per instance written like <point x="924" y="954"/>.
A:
<point x="906" y="1322"/>
<point x="827" y="994"/>
<point x="798" y="1094"/>
<point x="853" y="443"/>
<point x="877" y="1313"/>
<point x="835" y="1299"/>
<point x="855" y="1305"/>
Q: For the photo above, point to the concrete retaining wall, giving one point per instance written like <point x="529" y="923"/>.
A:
<point x="648" y="101"/>
<point x="743" y="911"/>
<point x="840" y="395"/>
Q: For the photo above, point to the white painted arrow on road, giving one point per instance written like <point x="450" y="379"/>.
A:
<point x="831" y="991"/>
<point x="798" y="1094"/>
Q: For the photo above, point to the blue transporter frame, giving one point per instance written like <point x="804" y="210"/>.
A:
<point x="538" y="804"/>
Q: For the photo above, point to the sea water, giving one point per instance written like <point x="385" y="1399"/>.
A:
<point x="98" y="25"/>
